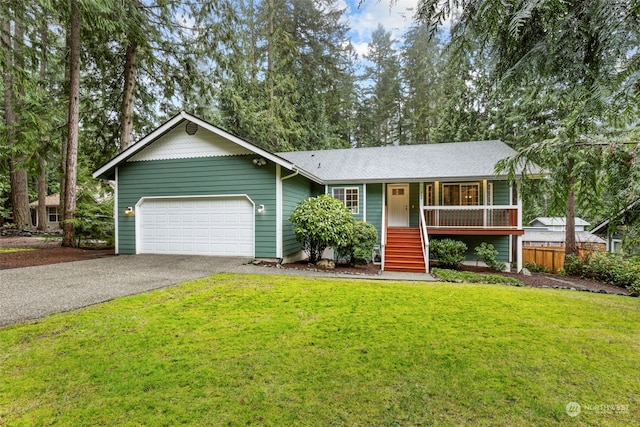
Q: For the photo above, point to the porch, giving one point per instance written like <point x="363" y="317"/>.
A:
<point x="472" y="220"/>
<point x="475" y="211"/>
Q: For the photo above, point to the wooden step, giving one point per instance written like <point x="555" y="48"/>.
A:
<point x="403" y="251"/>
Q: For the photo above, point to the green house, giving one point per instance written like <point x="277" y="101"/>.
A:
<point x="191" y="188"/>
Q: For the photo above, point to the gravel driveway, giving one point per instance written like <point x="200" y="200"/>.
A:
<point x="34" y="292"/>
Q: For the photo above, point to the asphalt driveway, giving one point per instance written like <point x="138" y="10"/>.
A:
<point x="34" y="292"/>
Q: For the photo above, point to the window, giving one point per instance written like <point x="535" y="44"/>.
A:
<point x="428" y="195"/>
<point x="53" y="214"/>
<point x="348" y="196"/>
<point x="461" y="194"/>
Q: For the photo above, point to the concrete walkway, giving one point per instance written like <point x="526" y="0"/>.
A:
<point x="386" y="275"/>
<point x="34" y="292"/>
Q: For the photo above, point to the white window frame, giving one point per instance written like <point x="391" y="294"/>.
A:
<point x="52" y="211"/>
<point x="344" y="199"/>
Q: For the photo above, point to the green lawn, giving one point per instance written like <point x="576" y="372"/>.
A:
<point x="267" y="350"/>
<point x="11" y="250"/>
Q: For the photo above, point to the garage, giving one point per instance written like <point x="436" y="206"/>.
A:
<point x="212" y="225"/>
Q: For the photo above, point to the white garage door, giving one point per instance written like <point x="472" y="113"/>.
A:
<point x="196" y="226"/>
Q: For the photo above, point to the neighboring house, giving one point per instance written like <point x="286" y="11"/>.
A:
<point x="191" y="188"/>
<point x="614" y="236"/>
<point x="557" y="223"/>
<point x="551" y="232"/>
<point x="52" y="203"/>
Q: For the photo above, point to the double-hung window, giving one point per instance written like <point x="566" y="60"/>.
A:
<point x="348" y="196"/>
<point x="54" y="216"/>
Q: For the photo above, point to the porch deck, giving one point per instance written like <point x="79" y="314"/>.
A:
<point x="472" y="220"/>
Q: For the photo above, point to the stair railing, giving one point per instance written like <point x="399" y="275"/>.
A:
<point x="424" y="238"/>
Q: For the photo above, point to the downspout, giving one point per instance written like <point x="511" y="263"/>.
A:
<point x="279" y="219"/>
<point x="290" y="176"/>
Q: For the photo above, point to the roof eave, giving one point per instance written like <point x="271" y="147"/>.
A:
<point x="419" y="179"/>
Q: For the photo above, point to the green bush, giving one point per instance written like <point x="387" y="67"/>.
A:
<point x="471" y="277"/>
<point x="360" y="246"/>
<point x="321" y="222"/>
<point x="448" y="252"/>
<point x="93" y="220"/>
<point x="605" y="267"/>
<point x="535" y="268"/>
<point x="487" y="254"/>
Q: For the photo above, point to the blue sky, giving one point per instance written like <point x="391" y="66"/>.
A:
<point x="363" y="20"/>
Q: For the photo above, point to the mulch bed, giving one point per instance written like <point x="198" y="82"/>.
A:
<point x="543" y="280"/>
<point x="45" y="252"/>
<point x="48" y="251"/>
<point x="370" y="269"/>
<point x="536" y="280"/>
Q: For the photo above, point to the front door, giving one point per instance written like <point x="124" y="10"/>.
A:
<point x="398" y="204"/>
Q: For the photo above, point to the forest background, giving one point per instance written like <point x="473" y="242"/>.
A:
<point x="555" y="79"/>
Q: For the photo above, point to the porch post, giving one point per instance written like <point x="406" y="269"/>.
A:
<point x="519" y="237"/>
<point x="484" y="203"/>
<point x="383" y="227"/>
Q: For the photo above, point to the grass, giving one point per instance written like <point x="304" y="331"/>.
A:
<point x="11" y="250"/>
<point x="471" y="277"/>
<point x="268" y="350"/>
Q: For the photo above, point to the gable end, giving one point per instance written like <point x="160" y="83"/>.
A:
<point x="179" y="144"/>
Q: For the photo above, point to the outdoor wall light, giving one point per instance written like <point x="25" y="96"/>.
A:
<point x="260" y="208"/>
<point x="259" y="162"/>
<point x="129" y="211"/>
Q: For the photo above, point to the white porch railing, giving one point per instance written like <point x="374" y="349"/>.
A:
<point x="471" y="216"/>
<point x="424" y="237"/>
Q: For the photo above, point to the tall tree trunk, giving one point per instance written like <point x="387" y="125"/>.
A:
<point x="570" y="236"/>
<point x="126" y="129"/>
<point x="17" y="174"/>
<point x="43" y="216"/>
<point x="270" y="66"/>
<point x="68" y="236"/>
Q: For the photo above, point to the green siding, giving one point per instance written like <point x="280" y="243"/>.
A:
<point x="500" y="243"/>
<point x="294" y="190"/>
<point x="374" y="207"/>
<point x="500" y="193"/>
<point x="414" y="204"/>
<point x="200" y="176"/>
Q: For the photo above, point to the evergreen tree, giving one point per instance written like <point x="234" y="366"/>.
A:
<point x="582" y="55"/>
<point x="288" y="85"/>
<point x="381" y="88"/>
<point x="422" y="78"/>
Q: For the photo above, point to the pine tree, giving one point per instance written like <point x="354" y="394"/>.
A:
<point x="381" y="88"/>
<point x="580" y="53"/>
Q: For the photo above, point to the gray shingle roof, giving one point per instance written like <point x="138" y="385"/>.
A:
<point x="455" y="160"/>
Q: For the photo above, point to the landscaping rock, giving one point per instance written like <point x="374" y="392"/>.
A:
<point x="328" y="264"/>
<point x="525" y="271"/>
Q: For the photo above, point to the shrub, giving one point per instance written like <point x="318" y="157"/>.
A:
<point x="321" y="222"/>
<point x="471" y="277"/>
<point x="535" y="268"/>
<point x="448" y="252"/>
<point x="609" y="268"/>
<point x="360" y="246"/>
<point x="93" y="220"/>
<point x="487" y="254"/>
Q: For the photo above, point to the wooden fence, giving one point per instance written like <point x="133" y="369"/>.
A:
<point x="549" y="257"/>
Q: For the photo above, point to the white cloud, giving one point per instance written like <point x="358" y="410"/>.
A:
<point x="363" y="20"/>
